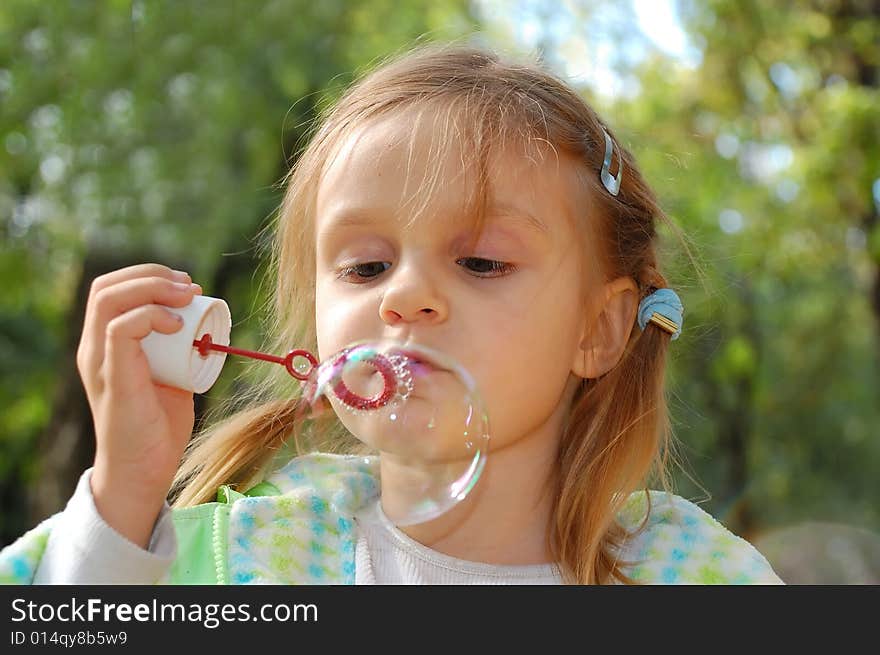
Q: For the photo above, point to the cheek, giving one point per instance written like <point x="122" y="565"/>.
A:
<point x="336" y="321"/>
<point x="521" y="393"/>
<point x="524" y="363"/>
<point x="532" y="362"/>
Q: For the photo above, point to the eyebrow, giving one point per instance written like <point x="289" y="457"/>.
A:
<point x="359" y="217"/>
<point x="520" y="216"/>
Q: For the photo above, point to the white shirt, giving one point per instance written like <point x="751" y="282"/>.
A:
<point x="385" y="555"/>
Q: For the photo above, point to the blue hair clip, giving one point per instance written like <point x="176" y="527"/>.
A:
<point x="611" y="183"/>
<point x="664" y="309"/>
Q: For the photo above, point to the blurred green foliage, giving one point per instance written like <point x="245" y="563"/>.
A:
<point x="150" y="127"/>
<point x="778" y="138"/>
<point x="768" y="155"/>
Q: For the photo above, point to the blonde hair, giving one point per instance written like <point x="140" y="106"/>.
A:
<point x="617" y="433"/>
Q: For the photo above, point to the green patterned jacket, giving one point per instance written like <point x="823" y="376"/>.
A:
<point x="298" y="527"/>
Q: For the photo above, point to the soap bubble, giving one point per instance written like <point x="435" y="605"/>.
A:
<point x="418" y="410"/>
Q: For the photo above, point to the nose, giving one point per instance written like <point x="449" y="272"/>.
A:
<point x="412" y="296"/>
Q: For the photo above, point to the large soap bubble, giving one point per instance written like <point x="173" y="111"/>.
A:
<point x="414" y="407"/>
<point x="419" y="411"/>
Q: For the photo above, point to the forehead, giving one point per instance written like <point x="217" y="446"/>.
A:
<point x="417" y="163"/>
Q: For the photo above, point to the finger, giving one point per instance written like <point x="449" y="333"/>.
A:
<point x="118" y="299"/>
<point x="87" y="354"/>
<point x="136" y="271"/>
<point x="123" y="344"/>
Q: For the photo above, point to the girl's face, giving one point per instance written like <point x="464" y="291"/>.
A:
<point x="509" y="309"/>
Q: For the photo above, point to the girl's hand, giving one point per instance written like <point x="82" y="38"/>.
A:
<point x="141" y="427"/>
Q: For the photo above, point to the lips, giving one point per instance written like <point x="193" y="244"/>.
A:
<point x="420" y="369"/>
<point x="419" y="363"/>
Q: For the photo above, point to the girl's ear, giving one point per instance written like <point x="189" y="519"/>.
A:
<point x="606" y="335"/>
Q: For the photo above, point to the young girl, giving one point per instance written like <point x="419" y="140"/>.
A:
<point x="451" y="200"/>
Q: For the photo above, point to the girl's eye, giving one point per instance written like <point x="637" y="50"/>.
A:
<point x="360" y="273"/>
<point x="486" y="267"/>
<point x="364" y="272"/>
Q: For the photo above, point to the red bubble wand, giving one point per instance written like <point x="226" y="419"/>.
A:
<point x="353" y="400"/>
